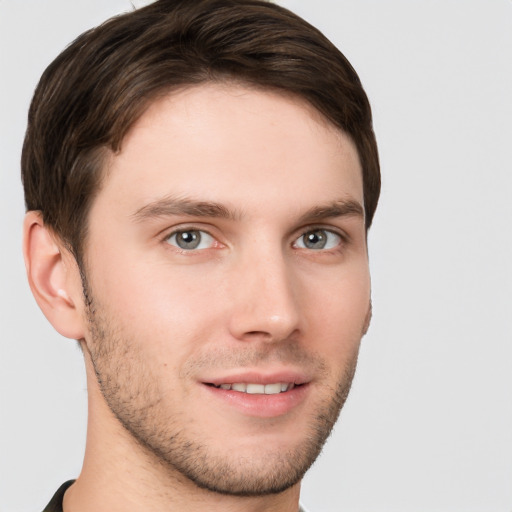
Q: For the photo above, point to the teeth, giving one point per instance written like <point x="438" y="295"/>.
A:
<point x="273" y="389"/>
<point x="259" y="389"/>
<point x="256" y="389"/>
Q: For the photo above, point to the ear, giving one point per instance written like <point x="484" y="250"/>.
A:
<point x="367" y="319"/>
<point x="53" y="276"/>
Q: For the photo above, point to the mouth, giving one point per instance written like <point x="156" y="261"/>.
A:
<point x="249" y="388"/>
<point x="257" y="393"/>
<point x="259" y="396"/>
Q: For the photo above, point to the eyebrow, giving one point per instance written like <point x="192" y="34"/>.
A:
<point x="169" y="206"/>
<point x="335" y="209"/>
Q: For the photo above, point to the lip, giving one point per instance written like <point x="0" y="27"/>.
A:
<point x="258" y="377"/>
<point x="259" y="405"/>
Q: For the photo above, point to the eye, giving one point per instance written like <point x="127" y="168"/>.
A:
<point x="191" y="239"/>
<point x="318" y="239"/>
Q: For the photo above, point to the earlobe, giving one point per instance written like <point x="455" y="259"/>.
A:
<point x="53" y="277"/>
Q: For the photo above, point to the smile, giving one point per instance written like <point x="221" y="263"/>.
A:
<point x="259" y="395"/>
<point x="257" y="389"/>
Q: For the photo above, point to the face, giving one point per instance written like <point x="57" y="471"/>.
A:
<point x="228" y="282"/>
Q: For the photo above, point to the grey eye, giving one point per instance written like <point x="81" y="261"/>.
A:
<point x="318" y="239"/>
<point x="190" y="239"/>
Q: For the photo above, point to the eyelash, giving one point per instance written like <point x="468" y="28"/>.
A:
<point x="342" y="239"/>
<point x="183" y="230"/>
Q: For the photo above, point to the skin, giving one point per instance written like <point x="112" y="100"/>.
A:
<point x="253" y="302"/>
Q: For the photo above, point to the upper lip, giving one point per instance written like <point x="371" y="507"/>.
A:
<point x="259" y="377"/>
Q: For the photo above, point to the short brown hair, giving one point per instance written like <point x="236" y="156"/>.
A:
<point x="97" y="88"/>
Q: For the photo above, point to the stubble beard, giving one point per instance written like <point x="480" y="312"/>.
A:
<point x="132" y="395"/>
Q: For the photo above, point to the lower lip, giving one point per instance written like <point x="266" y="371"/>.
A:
<point x="259" y="405"/>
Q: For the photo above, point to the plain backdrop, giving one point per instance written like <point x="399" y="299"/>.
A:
<point x="428" y="426"/>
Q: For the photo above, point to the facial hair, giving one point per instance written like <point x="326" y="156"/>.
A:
<point x="135" y="398"/>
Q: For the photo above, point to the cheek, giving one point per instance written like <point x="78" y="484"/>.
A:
<point x="338" y="309"/>
<point x="168" y="309"/>
<point x="174" y="310"/>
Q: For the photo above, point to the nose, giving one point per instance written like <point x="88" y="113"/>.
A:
<point x="265" y="300"/>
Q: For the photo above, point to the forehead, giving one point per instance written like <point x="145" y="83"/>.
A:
<point x="230" y="143"/>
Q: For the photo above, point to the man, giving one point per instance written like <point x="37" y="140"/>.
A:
<point x="200" y="176"/>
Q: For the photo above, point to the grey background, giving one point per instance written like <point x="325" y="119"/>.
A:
<point x="428" y="426"/>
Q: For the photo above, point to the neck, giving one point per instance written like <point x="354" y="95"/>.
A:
<point x="119" y="474"/>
